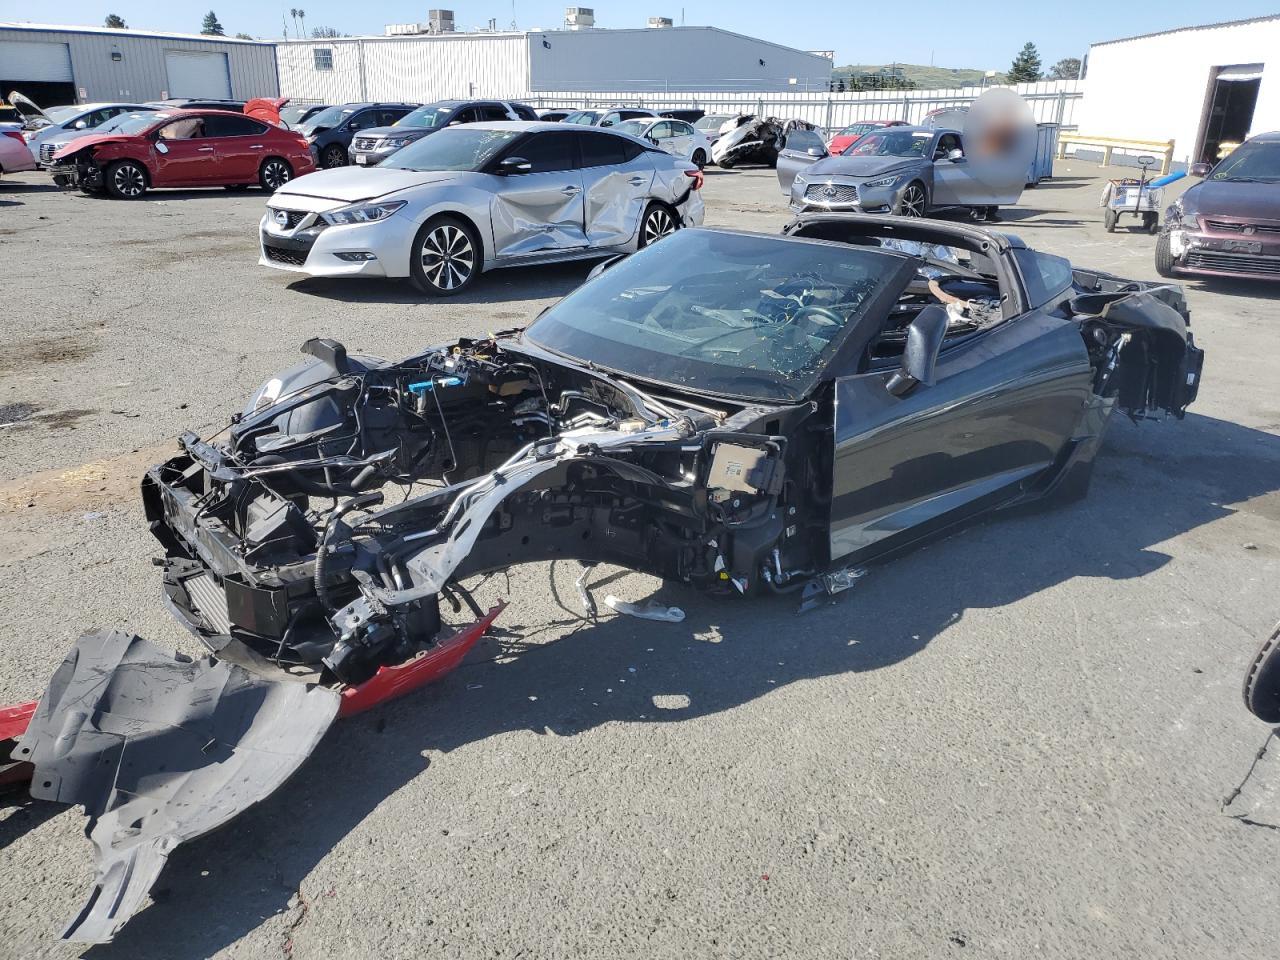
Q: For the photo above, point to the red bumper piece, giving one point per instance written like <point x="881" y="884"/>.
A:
<point x="13" y="724"/>
<point x="391" y="682"/>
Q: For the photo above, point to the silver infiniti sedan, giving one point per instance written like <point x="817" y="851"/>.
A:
<point x="908" y="171"/>
<point x="478" y="196"/>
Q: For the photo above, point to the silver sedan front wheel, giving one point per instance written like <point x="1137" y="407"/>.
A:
<point x="446" y="258"/>
<point x="912" y="202"/>
<point x="658" y="223"/>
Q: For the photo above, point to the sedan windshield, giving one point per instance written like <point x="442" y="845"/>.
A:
<point x="1255" y="160"/>
<point x="712" y="123"/>
<point x="325" y="119"/>
<point x="62" y="114"/>
<point x="455" y="148"/>
<point x="432" y="115"/>
<point x="130" y="123"/>
<point x="291" y="115"/>
<point x="891" y="143"/>
<point x="856" y="129"/>
<point x="728" y="313"/>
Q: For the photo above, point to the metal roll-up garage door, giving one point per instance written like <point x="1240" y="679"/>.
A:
<point x="197" y="74"/>
<point x="35" y="62"/>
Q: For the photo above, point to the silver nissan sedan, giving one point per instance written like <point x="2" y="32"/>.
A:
<point x="478" y="196"/>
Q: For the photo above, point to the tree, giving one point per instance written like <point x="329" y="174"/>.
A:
<point x="115" y="22"/>
<point x="325" y="33"/>
<point x="302" y="15"/>
<point x="293" y="13"/>
<point x="1068" y="68"/>
<point x="211" y="27"/>
<point x="244" y="36"/>
<point x="1026" y="65"/>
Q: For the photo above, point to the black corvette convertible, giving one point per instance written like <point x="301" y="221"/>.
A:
<point x="748" y="414"/>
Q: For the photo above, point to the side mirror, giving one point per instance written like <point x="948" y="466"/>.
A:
<point x="82" y="125"/>
<point x="653" y="140"/>
<point x="161" y="147"/>
<point x="512" y="165"/>
<point x="955" y="156"/>
<point x="816" y="152"/>
<point x="924" y="342"/>
<point x="1199" y="169"/>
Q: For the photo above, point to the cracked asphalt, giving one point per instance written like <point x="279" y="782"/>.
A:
<point x="1015" y="742"/>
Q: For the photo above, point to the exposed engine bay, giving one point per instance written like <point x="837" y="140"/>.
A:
<point x="289" y="516"/>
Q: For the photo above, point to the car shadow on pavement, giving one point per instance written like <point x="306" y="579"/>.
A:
<point x="1235" y="287"/>
<point x="497" y="286"/>
<point x="1153" y="482"/>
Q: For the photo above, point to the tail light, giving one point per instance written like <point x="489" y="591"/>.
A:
<point x="17" y="135"/>
<point x="696" y="176"/>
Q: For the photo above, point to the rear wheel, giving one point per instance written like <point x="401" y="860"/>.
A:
<point x="912" y="202"/>
<point x="126" y="180"/>
<point x="658" y="222"/>
<point x="1109" y="219"/>
<point x="1164" y="256"/>
<point x="446" y="257"/>
<point x="274" y="174"/>
<point x="699" y="159"/>
<point x="333" y="156"/>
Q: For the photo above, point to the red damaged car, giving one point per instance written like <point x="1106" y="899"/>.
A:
<point x="183" y="148"/>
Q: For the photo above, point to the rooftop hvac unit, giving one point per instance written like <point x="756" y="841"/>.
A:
<point x="579" y="18"/>
<point x="403" y="29"/>
<point x="661" y="23"/>
<point x="440" y="21"/>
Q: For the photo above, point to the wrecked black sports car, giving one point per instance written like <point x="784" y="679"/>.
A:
<point x="744" y="413"/>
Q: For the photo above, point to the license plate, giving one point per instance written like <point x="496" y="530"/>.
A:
<point x="361" y="160"/>
<point x="1242" y="246"/>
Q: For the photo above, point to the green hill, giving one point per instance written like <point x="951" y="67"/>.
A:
<point x="921" y="76"/>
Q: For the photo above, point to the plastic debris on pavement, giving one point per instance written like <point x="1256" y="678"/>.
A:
<point x="650" y="610"/>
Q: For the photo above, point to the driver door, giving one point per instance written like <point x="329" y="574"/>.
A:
<point x="184" y="155"/>
<point x="1003" y="405"/>
<point x="541" y="211"/>
<point x="801" y="149"/>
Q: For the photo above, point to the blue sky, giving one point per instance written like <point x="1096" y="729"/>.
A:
<point x="949" y="33"/>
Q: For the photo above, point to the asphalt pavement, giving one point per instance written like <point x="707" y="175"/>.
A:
<point x="1015" y="742"/>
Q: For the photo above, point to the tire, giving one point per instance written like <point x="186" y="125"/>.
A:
<point x="1109" y="219"/>
<point x="658" y="222"/>
<point x="333" y="156"/>
<point x="699" y="159"/>
<point x="61" y="180"/>
<point x="1151" y="222"/>
<point x="991" y="214"/>
<point x="913" y="202"/>
<point x="274" y="174"/>
<point x="1164" y="258"/>
<point x="725" y="164"/>
<point x="126" y="180"/>
<point x="1262" y="680"/>
<point x="446" y="257"/>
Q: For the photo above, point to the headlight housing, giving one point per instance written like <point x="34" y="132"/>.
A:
<point x="800" y="179"/>
<point x="883" y="181"/>
<point x="397" y="142"/>
<point x="361" y="213"/>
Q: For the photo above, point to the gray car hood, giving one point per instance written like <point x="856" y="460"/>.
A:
<point x="354" y="183"/>
<point x="860" y="166"/>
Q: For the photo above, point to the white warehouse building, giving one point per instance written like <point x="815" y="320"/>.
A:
<point x="1199" y="86"/>
<point x="429" y="67"/>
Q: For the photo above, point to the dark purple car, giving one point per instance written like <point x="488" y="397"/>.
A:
<point x="1229" y="224"/>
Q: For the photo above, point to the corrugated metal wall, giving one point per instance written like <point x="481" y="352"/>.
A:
<point x="669" y="60"/>
<point x="406" y="68"/>
<point x="140" y="72"/>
